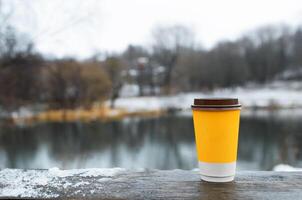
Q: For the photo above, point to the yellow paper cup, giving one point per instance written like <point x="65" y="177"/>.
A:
<point x="216" y="126"/>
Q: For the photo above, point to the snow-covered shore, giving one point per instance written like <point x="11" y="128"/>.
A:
<point x="275" y="95"/>
<point x="279" y="96"/>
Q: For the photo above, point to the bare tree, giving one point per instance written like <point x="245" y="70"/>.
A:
<point x="297" y="48"/>
<point x="168" y="43"/>
<point x="231" y="69"/>
<point x="191" y="71"/>
<point x="70" y="84"/>
<point x="19" y="66"/>
<point x="113" y="67"/>
<point x="266" y="52"/>
<point x="132" y="53"/>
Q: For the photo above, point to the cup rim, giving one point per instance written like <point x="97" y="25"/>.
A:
<point x="216" y="103"/>
<point x="237" y="107"/>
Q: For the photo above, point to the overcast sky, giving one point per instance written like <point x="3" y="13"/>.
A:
<point x="80" y="28"/>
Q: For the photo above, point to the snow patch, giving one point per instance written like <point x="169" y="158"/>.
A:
<point x="91" y="172"/>
<point x="286" y="168"/>
<point x="31" y="183"/>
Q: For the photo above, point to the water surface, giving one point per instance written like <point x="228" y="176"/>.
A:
<point x="166" y="142"/>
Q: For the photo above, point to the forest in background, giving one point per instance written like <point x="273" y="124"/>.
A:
<point x="174" y="62"/>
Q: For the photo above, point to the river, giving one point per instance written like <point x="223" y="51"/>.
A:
<point x="167" y="142"/>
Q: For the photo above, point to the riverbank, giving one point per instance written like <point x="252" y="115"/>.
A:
<point x="102" y="113"/>
<point x="271" y="97"/>
<point x="274" y="96"/>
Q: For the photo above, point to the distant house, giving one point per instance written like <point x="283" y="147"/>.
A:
<point x="147" y="76"/>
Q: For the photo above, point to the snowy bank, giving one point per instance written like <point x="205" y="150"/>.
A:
<point x="275" y="95"/>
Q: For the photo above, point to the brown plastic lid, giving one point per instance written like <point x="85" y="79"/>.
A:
<point x="216" y="103"/>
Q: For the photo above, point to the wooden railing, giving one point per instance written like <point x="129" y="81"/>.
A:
<point x="146" y="184"/>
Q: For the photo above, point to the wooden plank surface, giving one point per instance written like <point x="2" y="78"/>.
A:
<point x="149" y="184"/>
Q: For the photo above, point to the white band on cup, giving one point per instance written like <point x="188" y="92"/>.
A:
<point x="217" y="179"/>
<point x="217" y="169"/>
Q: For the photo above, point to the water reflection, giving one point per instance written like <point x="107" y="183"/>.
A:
<point x="270" y="140"/>
<point x="163" y="143"/>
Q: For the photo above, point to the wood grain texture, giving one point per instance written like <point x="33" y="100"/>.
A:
<point x="173" y="184"/>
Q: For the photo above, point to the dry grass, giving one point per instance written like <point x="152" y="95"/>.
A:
<point x="102" y="113"/>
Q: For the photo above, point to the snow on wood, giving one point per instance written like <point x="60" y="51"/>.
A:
<point x="286" y="168"/>
<point x="48" y="183"/>
<point x="145" y="184"/>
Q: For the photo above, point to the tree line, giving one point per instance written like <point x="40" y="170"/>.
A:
<point x="258" y="56"/>
<point x="173" y="63"/>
